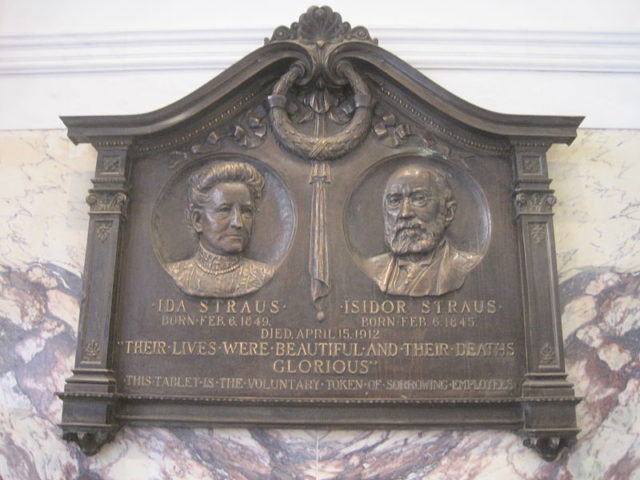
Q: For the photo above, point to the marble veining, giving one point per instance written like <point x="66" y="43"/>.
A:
<point x="42" y="208"/>
<point x="45" y="180"/>
<point x="597" y="216"/>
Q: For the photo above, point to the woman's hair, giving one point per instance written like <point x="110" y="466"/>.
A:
<point x="202" y="181"/>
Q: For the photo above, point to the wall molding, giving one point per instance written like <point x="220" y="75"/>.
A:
<point x="443" y="49"/>
<point x="530" y="72"/>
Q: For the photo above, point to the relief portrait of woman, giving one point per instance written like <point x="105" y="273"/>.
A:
<point x="222" y="201"/>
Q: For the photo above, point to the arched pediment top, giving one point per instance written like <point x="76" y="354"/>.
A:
<point x="318" y="43"/>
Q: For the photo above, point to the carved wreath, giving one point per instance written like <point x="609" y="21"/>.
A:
<point x="316" y="147"/>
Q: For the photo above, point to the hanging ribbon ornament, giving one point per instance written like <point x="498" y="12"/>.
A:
<point x="320" y="149"/>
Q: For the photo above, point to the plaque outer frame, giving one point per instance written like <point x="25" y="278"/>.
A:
<point x="93" y="408"/>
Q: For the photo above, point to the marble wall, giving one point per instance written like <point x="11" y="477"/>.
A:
<point x="42" y="239"/>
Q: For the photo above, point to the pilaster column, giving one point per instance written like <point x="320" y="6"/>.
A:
<point x="89" y="393"/>
<point x="548" y="398"/>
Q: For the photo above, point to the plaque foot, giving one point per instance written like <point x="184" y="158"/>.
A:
<point x="90" y="441"/>
<point x="548" y="447"/>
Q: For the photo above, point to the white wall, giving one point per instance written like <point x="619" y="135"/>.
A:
<point x="76" y="57"/>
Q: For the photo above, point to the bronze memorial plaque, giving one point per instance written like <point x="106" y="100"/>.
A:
<point x="321" y="236"/>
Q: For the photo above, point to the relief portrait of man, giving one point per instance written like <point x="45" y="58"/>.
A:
<point x="222" y="202"/>
<point x="419" y="206"/>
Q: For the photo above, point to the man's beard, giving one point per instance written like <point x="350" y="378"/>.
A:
<point x="414" y="236"/>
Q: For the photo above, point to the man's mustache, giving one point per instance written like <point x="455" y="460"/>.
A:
<point x="415" y="224"/>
